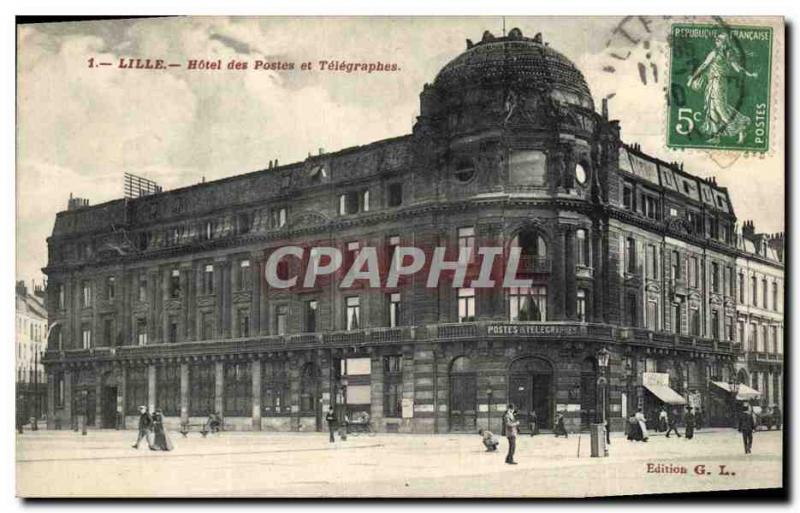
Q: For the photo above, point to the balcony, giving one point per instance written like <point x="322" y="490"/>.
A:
<point x="533" y="264"/>
<point x="764" y="357"/>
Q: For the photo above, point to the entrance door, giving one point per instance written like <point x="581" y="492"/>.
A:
<point x="91" y="408"/>
<point x="109" y="407"/>
<point x="463" y="395"/>
<point x="530" y="389"/>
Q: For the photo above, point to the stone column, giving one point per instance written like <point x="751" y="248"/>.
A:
<point x="184" y="392"/>
<point x="67" y="421"/>
<point x="294" y="390"/>
<point x="255" y="374"/>
<point x="220" y="298"/>
<point x="51" y="400"/>
<point x="185" y="321"/>
<point x="151" y="387"/>
<point x="152" y="314"/>
<point x="163" y="325"/>
<point x="99" y="421"/>
<point x="570" y="282"/>
<point x="376" y="390"/>
<point x="255" y="293"/>
<point x="219" y="387"/>
<point x="227" y="285"/>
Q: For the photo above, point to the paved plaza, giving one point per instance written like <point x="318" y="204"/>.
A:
<point x="65" y="464"/>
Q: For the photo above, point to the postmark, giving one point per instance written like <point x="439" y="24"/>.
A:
<point x="719" y="96"/>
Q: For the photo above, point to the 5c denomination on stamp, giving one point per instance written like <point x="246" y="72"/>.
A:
<point x="720" y="87"/>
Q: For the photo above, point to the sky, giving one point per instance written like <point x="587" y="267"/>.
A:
<point x="79" y="128"/>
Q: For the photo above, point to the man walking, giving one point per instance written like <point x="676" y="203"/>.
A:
<point x="145" y="427"/>
<point x="512" y="428"/>
<point x="746" y="426"/>
<point x="331" y="419"/>
<point x="688" y="419"/>
<point x="673" y="424"/>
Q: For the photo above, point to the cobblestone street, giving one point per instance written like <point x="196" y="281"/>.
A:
<point x="64" y="464"/>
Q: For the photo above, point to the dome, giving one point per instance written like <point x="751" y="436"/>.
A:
<point x="518" y="63"/>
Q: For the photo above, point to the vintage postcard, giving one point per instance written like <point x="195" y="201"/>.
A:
<point x="400" y="256"/>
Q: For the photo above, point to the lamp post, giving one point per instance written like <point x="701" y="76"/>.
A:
<point x="733" y="386"/>
<point x="489" y="393"/>
<point x="603" y="356"/>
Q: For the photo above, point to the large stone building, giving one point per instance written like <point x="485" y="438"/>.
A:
<point x="159" y="300"/>
<point x="760" y="313"/>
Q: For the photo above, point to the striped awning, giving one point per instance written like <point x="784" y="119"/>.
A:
<point x="666" y="394"/>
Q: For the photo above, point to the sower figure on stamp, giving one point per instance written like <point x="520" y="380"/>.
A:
<point x="746" y="426"/>
<point x="145" y="427"/>
<point x="688" y="419"/>
<point x="672" y="421"/>
<point x="330" y="417"/>
<point x="512" y="428"/>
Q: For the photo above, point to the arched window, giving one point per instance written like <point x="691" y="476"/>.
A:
<point x="582" y="247"/>
<point x="534" y="256"/>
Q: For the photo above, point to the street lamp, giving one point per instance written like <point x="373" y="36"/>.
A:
<point x="603" y="356"/>
<point x="733" y="386"/>
<point x="489" y="393"/>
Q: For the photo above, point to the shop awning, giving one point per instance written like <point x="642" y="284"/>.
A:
<point x="666" y="394"/>
<point x="745" y="393"/>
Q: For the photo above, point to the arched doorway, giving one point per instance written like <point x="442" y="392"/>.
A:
<point x="588" y="392"/>
<point x="530" y="389"/>
<point x="463" y="395"/>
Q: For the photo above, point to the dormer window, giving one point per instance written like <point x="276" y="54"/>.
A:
<point x="464" y="170"/>
<point x="278" y="217"/>
<point x="354" y="202"/>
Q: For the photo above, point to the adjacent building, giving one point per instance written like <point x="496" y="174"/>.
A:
<point x="31" y="343"/>
<point x="160" y="300"/>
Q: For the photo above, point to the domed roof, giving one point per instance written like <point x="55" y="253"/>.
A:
<point x="518" y="63"/>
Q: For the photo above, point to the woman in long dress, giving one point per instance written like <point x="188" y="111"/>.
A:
<point x="642" y="424"/>
<point x="720" y="117"/>
<point x="161" y="441"/>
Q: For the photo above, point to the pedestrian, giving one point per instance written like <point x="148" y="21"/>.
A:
<point x="534" y="423"/>
<point x="560" y="428"/>
<point x="662" y="420"/>
<point x="489" y="440"/>
<point x="642" y="422"/>
<point x="145" y="427"/>
<point x="746" y="426"/>
<point x="213" y="423"/>
<point x="330" y="417"/>
<point x="673" y="424"/>
<point x="512" y="428"/>
<point x="688" y="419"/>
<point x="161" y="441"/>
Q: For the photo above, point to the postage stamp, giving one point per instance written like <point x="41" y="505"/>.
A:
<point x="719" y="94"/>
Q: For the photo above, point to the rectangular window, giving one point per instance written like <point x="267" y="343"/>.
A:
<point x="393" y="314"/>
<point x="675" y="266"/>
<point x="466" y="239"/>
<point x="175" y="284"/>
<point x="141" y="332"/>
<point x="627" y="196"/>
<point x="764" y="294"/>
<point x="395" y="194"/>
<point x="754" y="290"/>
<point x="311" y="316"/>
<point x="281" y="319"/>
<point x="135" y="389"/>
<point x="108" y="332"/>
<point x="676" y="317"/>
<point x="466" y="305"/>
<point x="528" y="304"/>
<point x="715" y="324"/>
<point x="393" y="385"/>
<point x="86" y="336"/>
<point x="740" y="333"/>
<point x="277" y="217"/>
<point x="652" y="262"/>
<point x="202" y="389"/>
<point x="695" y="321"/>
<point x="59" y="390"/>
<point x="172" y="329"/>
<point x="353" y="313"/>
<point x="580" y="308"/>
<point x="243" y="322"/>
<point x="730" y="281"/>
<point x="354" y="202"/>
<point x="275" y="388"/>
<point x="244" y="275"/>
<point x="142" y="295"/>
<point x="208" y="279"/>
<point x="238" y="395"/>
<point x="62" y="296"/>
<point x="632" y="307"/>
<point x="86" y="294"/>
<point x="244" y="222"/>
<point x="752" y="339"/>
<point x="207" y="230"/>
<point x="694" y="271"/>
<point x="741" y="288"/>
<point x="775" y="296"/>
<point x="394" y="242"/>
<point x="715" y="277"/>
<point x="652" y="315"/>
<point x="111" y="288"/>
<point x="630" y="255"/>
<point x="207" y="325"/>
<point x="773" y="338"/>
<point x="168" y="389"/>
<point x="582" y="247"/>
<point x="729" y="328"/>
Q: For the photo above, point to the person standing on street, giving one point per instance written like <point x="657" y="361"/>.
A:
<point x="512" y="428"/>
<point x="145" y="427"/>
<point x="672" y="421"/>
<point x="688" y="419"/>
<point x="330" y="417"/>
<point x="746" y="426"/>
<point x="662" y="420"/>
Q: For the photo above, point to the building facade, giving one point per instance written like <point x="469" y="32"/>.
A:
<point x="31" y="343"/>
<point x="160" y="300"/>
<point x="759" y="312"/>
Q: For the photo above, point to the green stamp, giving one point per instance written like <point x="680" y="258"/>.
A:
<point x="719" y="95"/>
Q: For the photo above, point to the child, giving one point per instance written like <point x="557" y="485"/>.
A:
<point x="489" y="440"/>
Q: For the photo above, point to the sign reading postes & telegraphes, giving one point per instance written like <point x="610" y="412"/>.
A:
<point x="532" y="330"/>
